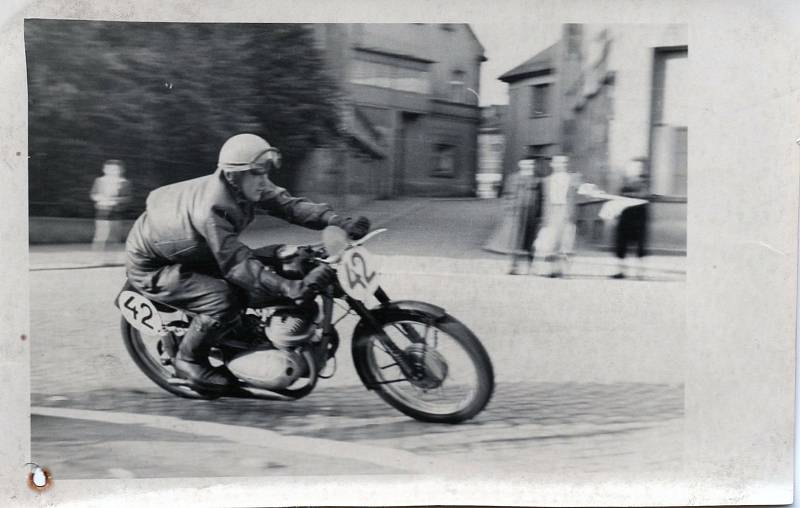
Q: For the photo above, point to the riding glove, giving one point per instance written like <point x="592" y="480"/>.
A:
<point x="306" y="289"/>
<point x="355" y="228"/>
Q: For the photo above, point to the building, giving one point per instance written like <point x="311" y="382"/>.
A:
<point x="626" y="100"/>
<point x="625" y="112"/>
<point x="491" y="150"/>
<point x="533" y="124"/>
<point x="410" y="109"/>
<point x="614" y="98"/>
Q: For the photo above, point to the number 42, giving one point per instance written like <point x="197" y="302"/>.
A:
<point x="356" y="264"/>
<point x="144" y="308"/>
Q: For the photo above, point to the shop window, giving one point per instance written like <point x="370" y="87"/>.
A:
<point x="538" y="150"/>
<point x="444" y="160"/>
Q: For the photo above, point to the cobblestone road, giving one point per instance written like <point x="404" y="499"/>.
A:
<point x="588" y="370"/>
<point x="587" y="427"/>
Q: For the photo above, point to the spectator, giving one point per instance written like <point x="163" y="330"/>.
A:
<point x="525" y="196"/>
<point x="632" y="224"/>
<point x="111" y="194"/>
<point x="557" y="239"/>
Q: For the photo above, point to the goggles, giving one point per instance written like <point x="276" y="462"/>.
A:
<point x="267" y="160"/>
<point x="261" y="164"/>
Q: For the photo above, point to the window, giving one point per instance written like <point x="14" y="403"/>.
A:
<point x="390" y="76"/>
<point x="444" y="160"/>
<point x="411" y="80"/>
<point x="540" y="100"/>
<point x="457" y="86"/>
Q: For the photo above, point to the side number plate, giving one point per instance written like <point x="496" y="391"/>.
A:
<point x="140" y="312"/>
<point x="358" y="273"/>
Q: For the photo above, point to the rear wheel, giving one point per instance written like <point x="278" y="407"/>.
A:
<point x="453" y="377"/>
<point x="146" y="351"/>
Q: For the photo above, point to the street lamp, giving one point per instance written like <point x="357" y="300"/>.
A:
<point x="477" y="97"/>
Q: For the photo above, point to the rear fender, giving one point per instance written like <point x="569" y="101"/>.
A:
<point x="125" y="287"/>
<point x="362" y="329"/>
<point x="161" y="307"/>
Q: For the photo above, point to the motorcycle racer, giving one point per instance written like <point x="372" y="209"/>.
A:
<point x="184" y="249"/>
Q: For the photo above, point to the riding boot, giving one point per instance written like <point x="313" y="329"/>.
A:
<point x="192" y="363"/>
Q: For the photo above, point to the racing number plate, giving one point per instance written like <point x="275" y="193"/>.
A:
<point x="140" y="312"/>
<point x="358" y="273"/>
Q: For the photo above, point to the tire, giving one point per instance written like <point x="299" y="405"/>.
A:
<point x="151" y="367"/>
<point x="363" y="346"/>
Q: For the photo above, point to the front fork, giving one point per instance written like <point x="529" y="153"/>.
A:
<point x="390" y="347"/>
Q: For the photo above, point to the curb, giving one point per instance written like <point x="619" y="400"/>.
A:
<point x="329" y="448"/>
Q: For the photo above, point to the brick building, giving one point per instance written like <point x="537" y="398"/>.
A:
<point x="410" y="109"/>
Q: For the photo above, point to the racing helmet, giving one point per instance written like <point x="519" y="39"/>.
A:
<point x="245" y="152"/>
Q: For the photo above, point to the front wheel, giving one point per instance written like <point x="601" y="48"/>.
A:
<point x="453" y="377"/>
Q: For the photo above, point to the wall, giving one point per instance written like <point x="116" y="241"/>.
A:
<point x="491" y="146"/>
<point x="451" y="49"/>
<point x="522" y="130"/>
<point x="414" y="124"/>
<point x="67" y="230"/>
<point x="612" y="127"/>
<point x="439" y="129"/>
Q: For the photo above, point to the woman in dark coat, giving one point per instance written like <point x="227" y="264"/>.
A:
<point x="525" y="196"/>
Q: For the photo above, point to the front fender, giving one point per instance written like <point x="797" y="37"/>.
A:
<point x="415" y="306"/>
<point x="382" y="312"/>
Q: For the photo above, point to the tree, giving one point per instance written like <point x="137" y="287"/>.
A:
<point x="163" y="97"/>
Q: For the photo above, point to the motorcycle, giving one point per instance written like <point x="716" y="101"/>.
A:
<point x="414" y="355"/>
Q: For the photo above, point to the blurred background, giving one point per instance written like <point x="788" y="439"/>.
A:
<point x="163" y="97"/>
<point x="419" y="127"/>
<point x="361" y="112"/>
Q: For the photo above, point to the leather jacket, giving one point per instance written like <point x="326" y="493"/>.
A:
<point x="197" y="223"/>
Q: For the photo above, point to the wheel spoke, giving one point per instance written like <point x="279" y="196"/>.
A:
<point x="428" y="395"/>
<point x="381" y="347"/>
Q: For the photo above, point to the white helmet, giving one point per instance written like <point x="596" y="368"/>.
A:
<point x="244" y="152"/>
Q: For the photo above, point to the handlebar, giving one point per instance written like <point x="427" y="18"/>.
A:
<point x="320" y="253"/>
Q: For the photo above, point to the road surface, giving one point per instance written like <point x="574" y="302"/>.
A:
<point x="588" y="370"/>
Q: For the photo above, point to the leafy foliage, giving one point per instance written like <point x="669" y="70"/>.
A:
<point x="163" y="97"/>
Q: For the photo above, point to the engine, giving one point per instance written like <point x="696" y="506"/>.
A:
<point x="291" y="330"/>
<point x="270" y="369"/>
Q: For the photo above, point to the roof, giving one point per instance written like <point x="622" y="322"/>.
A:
<point x="472" y="33"/>
<point x="543" y="62"/>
